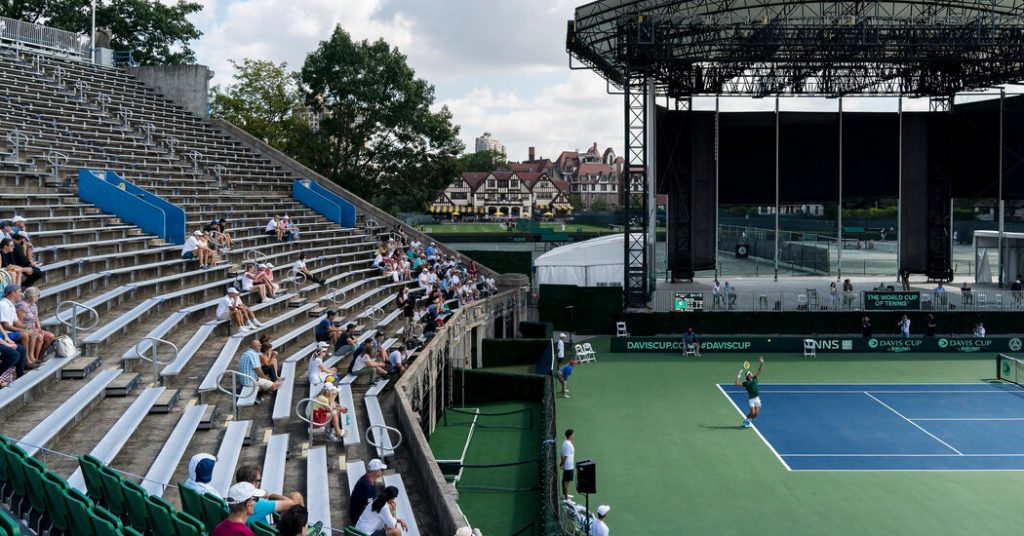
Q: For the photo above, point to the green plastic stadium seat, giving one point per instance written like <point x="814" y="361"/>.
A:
<point x="191" y="503"/>
<point x="352" y="531"/>
<point x="113" y="496"/>
<point x="56" y="507"/>
<point x="161" y="515"/>
<point x="34" y="471"/>
<point x="187" y="525"/>
<point x="263" y="529"/>
<point x="128" y="531"/>
<point x="6" y="480"/>
<point x="104" y="522"/>
<point x="214" y="510"/>
<point x="135" y="503"/>
<point x="15" y="458"/>
<point x="79" y="506"/>
<point x="8" y="525"/>
<point x="91" y="474"/>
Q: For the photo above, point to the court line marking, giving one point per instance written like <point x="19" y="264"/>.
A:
<point x="908" y="470"/>
<point x="784" y="392"/>
<point x="904" y="455"/>
<point x="933" y="436"/>
<point x="883" y="383"/>
<point x="767" y="444"/>
<point x="969" y="419"/>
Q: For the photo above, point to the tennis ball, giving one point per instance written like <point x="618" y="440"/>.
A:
<point x="769" y="340"/>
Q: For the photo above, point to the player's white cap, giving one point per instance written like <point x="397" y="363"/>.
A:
<point x="561" y="335"/>
<point x="603" y="510"/>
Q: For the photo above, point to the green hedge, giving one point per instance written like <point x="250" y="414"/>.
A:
<point x="503" y="262"/>
<point x="484" y="386"/>
<point x="536" y="330"/>
<point x="507" y="352"/>
<point x="596" y="308"/>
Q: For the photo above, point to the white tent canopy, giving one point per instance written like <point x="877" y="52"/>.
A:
<point x="592" y="263"/>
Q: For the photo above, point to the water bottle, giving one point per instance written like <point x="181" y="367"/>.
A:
<point x="348" y="419"/>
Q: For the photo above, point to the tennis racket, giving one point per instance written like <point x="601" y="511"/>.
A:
<point x="746" y="367"/>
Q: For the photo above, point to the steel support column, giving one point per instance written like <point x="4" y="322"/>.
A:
<point x="636" y="281"/>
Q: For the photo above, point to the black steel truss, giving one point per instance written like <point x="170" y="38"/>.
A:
<point x="636" y="289"/>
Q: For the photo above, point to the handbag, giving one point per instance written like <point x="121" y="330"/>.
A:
<point x="65" y="347"/>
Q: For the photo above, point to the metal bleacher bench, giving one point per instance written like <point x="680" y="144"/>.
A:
<point x="405" y="512"/>
<point x="56" y="421"/>
<point x="274" y="463"/>
<point x="112" y="443"/>
<point x="377" y="435"/>
<point x="166" y="462"/>
<point x="228" y="454"/>
<point x="318" y="501"/>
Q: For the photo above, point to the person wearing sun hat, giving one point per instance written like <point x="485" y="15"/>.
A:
<point x="241" y="500"/>
<point x="598" y="526"/>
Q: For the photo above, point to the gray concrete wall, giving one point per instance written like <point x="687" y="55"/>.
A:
<point x="187" y="86"/>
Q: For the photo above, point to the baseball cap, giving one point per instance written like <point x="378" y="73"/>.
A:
<point x="10" y="289"/>
<point x="243" y="491"/>
<point x="561" y="335"/>
<point x="322" y="344"/>
<point x="603" y="510"/>
<point x="331" y="312"/>
<point x="198" y="233"/>
<point x="264" y="265"/>
<point x="376" y="465"/>
<point x="19" y="218"/>
<point x="232" y="290"/>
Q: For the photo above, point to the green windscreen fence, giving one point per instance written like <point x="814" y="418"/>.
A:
<point x="509" y="352"/>
<point x="503" y="262"/>
<point x="594" y="309"/>
<point x="536" y="330"/>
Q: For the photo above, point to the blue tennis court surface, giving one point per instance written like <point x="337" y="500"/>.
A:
<point x="891" y="427"/>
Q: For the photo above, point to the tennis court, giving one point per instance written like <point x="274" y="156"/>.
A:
<point x="491" y="452"/>
<point x="891" y="427"/>
<point x="672" y="457"/>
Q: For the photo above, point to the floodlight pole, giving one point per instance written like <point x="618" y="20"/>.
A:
<point x="839" y="209"/>
<point x="776" y="188"/>
<point x="92" y="36"/>
<point x="999" y="203"/>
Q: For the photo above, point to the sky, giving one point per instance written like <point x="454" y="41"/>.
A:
<point x="499" y="65"/>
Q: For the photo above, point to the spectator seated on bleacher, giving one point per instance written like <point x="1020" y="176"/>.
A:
<point x="318" y="373"/>
<point x="268" y="503"/>
<point x="251" y="282"/>
<point x="265" y="276"/>
<point x="31" y="271"/>
<point x="325" y="410"/>
<point x="378" y="261"/>
<point x="7" y="228"/>
<point x="431" y="251"/>
<point x="230" y="307"/>
<point x="379" y="352"/>
<point x="207" y="249"/>
<point x="396" y="360"/>
<point x="271" y="228"/>
<point x="200" y="473"/>
<point x="295" y="522"/>
<point x="268" y="358"/>
<point x="241" y="500"/>
<point x="12" y="359"/>
<point x="286" y="229"/>
<point x="347" y="341"/>
<point x="364" y="364"/>
<point x="300" y="266"/>
<point x="430" y="324"/>
<point x="217" y="230"/>
<point x="472" y="270"/>
<point x="8" y="264"/>
<point x="192" y="249"/>
<point x="379" y="516"/>
<point x="28" y="316"/>
<point x="18" y="331"/>
<point x="365" y="490"/>
<point x="326" y="331"/>
<point x="249" y="364"/>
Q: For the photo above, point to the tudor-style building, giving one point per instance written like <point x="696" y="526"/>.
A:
<point x="508" y="193"/>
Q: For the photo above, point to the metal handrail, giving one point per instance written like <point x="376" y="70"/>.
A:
<point x="81" y="86"/>
<point x="385" y="429"/>
<point x="125" y="114"/>
<point x="297" y="276"/>
<point x="255" y="256"/>
<point x="171" y="143"/>
<point x="57" y="159"/>
<point x="16" y="138"/>
<point x="374" y="313"/>
<point x="299" y="413"/>
<point x="154" y="348"/>
<point x="234" y="393"/>
<point x="148" y="129"/>
<point x="195" y="157"/>
<point x="103" y="99"/>
<point x="73" y="323"/>
<point x="332" y="295"/>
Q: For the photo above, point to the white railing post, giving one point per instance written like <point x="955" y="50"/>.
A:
<point x="154" y="351"/>
<point x="75" y="309"/>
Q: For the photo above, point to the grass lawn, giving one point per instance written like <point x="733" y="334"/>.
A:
<point x="673" y="459"/>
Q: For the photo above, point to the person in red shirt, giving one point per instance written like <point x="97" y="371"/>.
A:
<point x="241" y="501"/>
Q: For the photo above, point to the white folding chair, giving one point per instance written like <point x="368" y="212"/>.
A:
<point x="810" y="350"/>
<point x="589" y="351"/>
<point x="582" y="356"/>
<point x="620" y="329"/>
<point x="689" y="349"/>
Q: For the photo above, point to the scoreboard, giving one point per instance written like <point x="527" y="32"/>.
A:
<point x="684" y="302"/>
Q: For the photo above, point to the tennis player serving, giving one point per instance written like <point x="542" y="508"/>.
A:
<point x="749" y="382"/>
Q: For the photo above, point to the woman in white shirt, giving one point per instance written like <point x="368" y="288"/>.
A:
<point x="379" y="518"/>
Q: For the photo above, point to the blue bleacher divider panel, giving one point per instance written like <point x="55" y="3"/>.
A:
<point x="133" y="204"/>
<point x="324" y="201"/>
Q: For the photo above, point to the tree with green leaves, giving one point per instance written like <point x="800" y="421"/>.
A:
<point x="377" y="135"/>
<point x="482" y="161"/>
<point x="155" y="32"/>
<point x="265" y="101"/>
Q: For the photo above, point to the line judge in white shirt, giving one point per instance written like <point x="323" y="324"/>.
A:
<point x="568" y="462"/>
<point x="598" y="526"/>
<point x="560" y="346"/>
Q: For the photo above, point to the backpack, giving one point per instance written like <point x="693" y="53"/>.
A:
<point x="65" y="347"/>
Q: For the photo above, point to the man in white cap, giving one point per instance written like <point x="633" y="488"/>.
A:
<point x="365" y="491"/>
<point x="241" y="500"/>
<point x="20" y="224"/>
<point x="189" y="249"/>
<point x="560" y="347"/>
<point x="230" y="307"/>
<point x="598" y="526"/>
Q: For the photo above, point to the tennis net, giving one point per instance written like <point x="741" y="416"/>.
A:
<point x="1010" y="369"/>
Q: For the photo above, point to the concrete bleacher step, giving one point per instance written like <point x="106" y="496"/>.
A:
<point x="318" y="501"/>
<point x="124" y="384"/>
<point x="27" y="386"/>
<point x="68" y="413"/>
<point x="297" y="302"/>
<point x="115" y="439"/>
<point x="379" y="436"/>
<point x="317" y="311"/>
<point x="228" y="454"/>
<point x="80" y="367"/>
<point x="166" y="402"/>
<point x="162" y="469"/>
